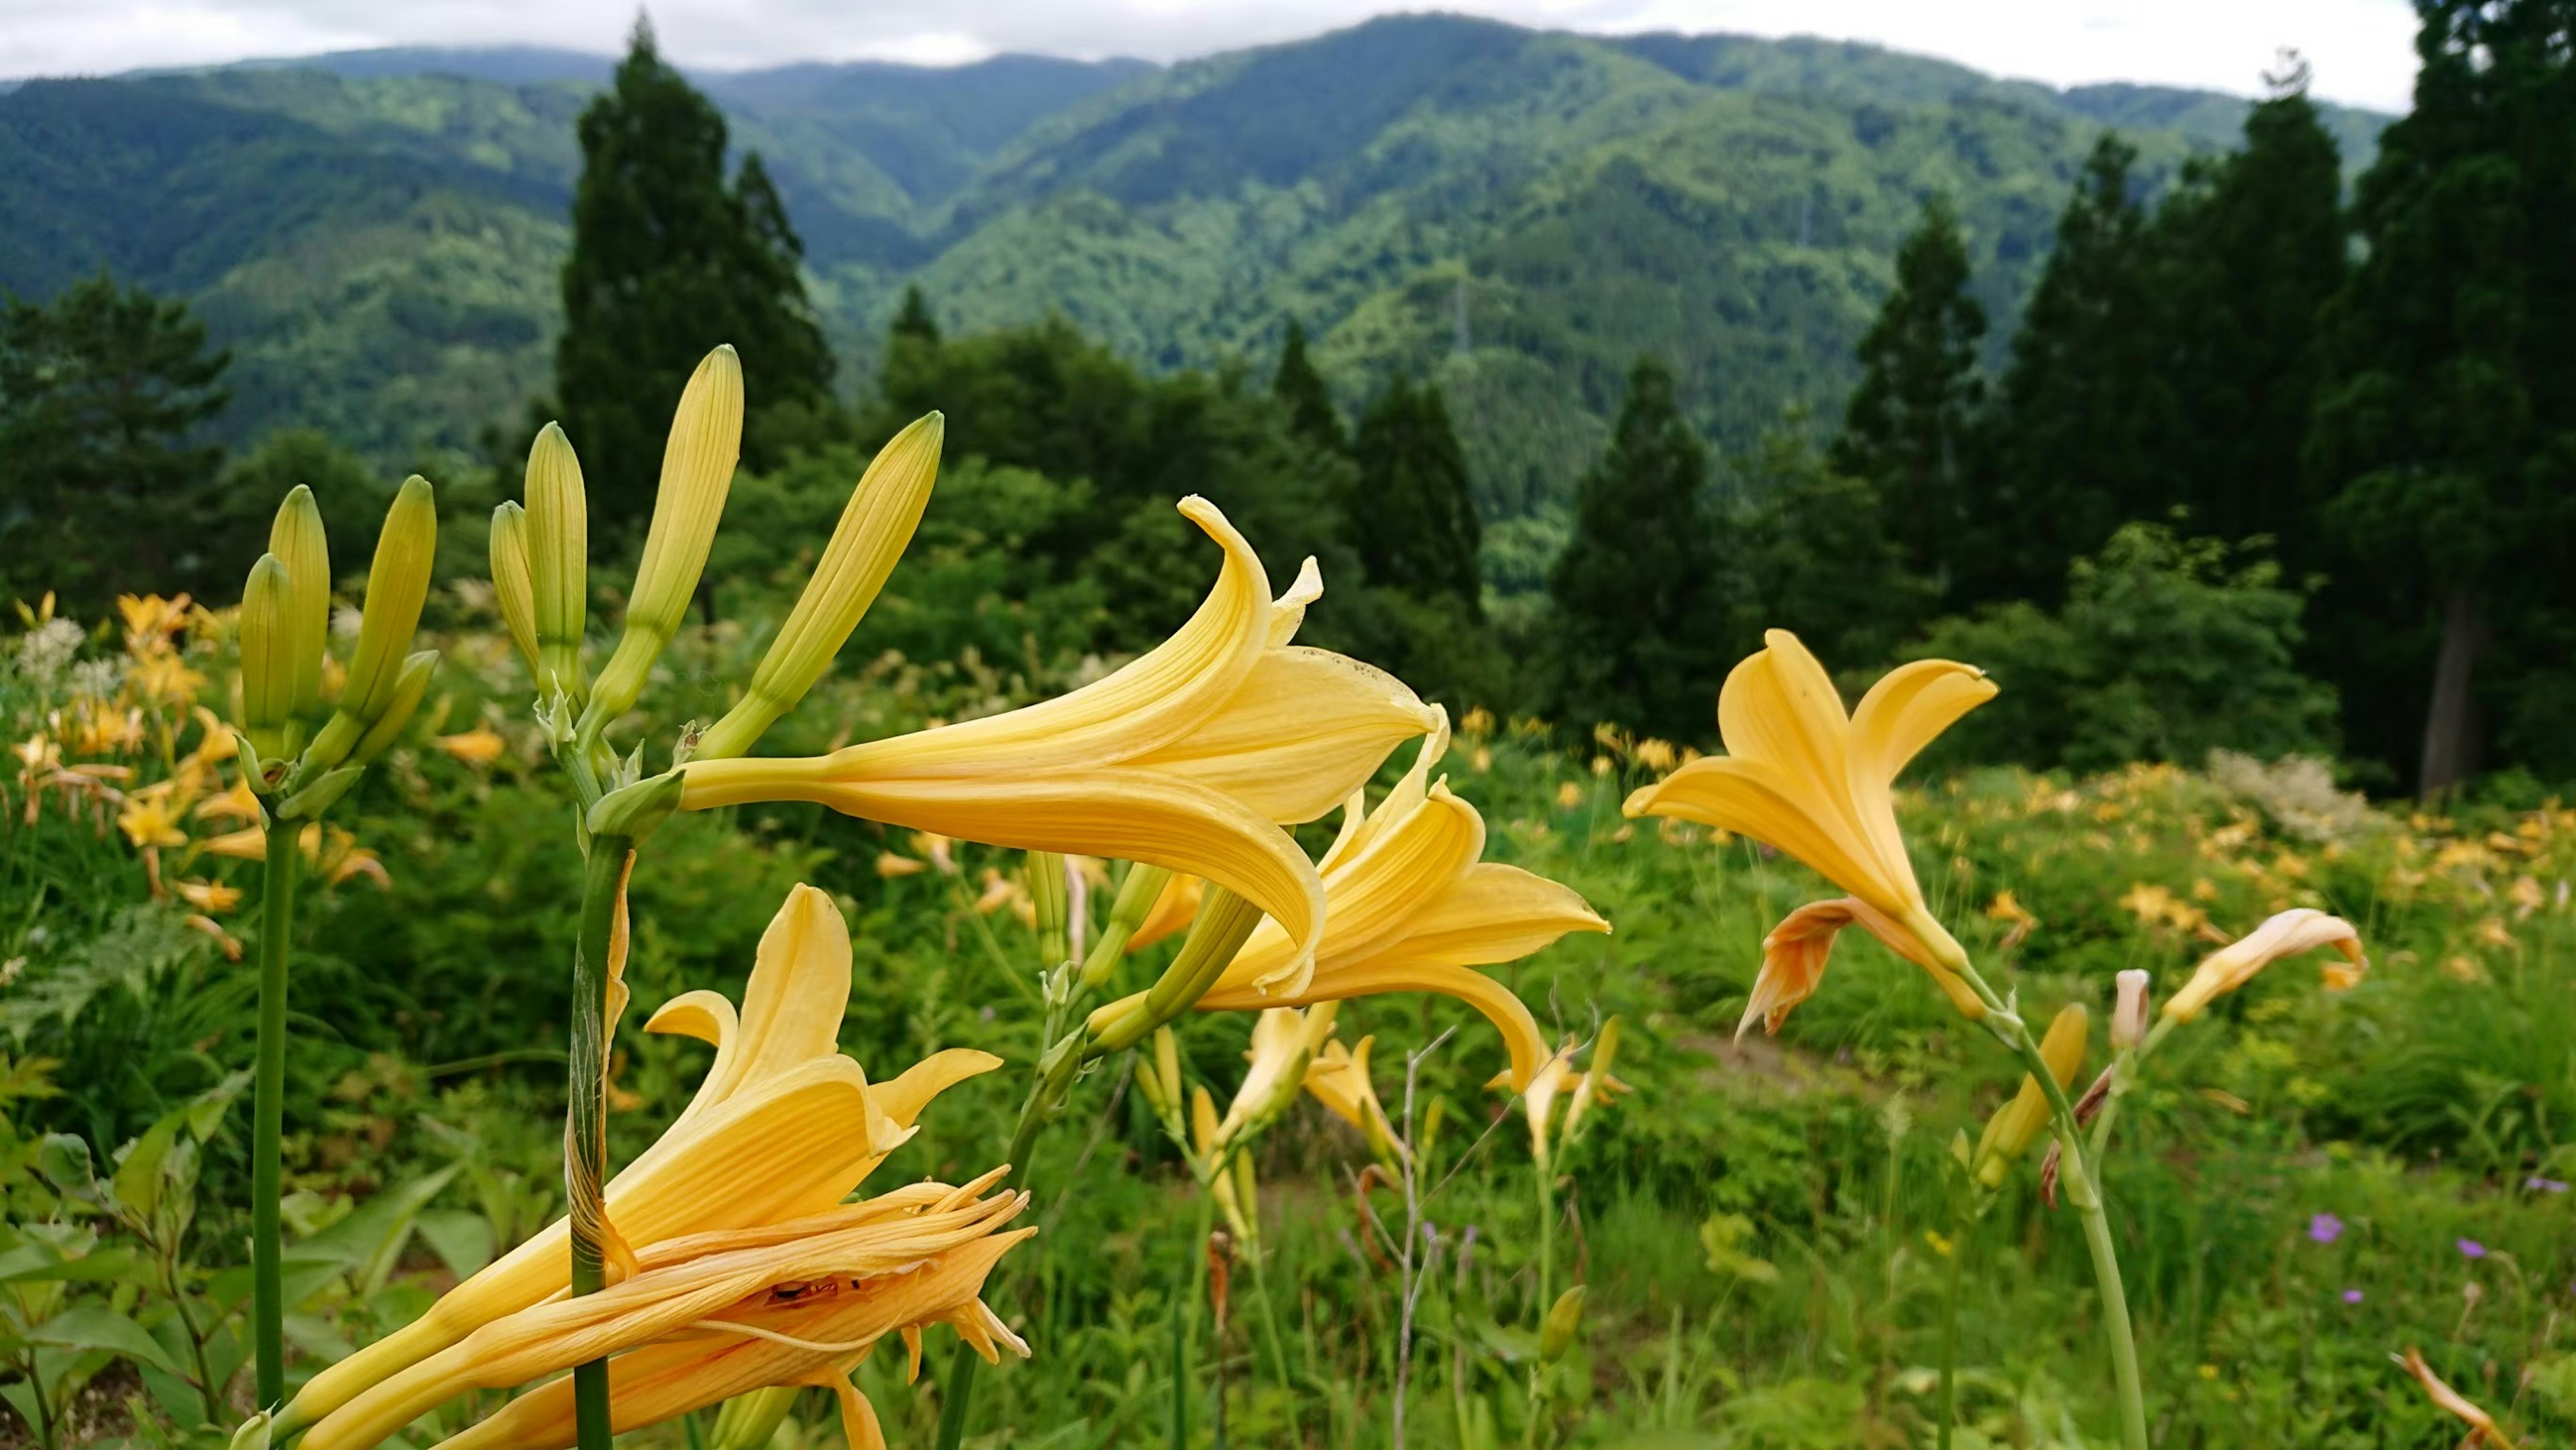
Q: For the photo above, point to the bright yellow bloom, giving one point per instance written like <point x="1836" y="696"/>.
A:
<point x="1556" y="1079"/>
<point x="2285" y="935"/>
<point x="1339" y="1079"/>
<point x="2482" y="1426"/>
<point x="479" y="746"/>
<point x="149" y="820"/>
<point x="718" y="1314"/>
<point x="2018" y="1124"/>
<point x="212" y="897"/>
<point x="1284" y="1043"/>
<point x="891" y="865"/>
<point x="1817" y="784"/>
<point x="150" y="620"/>
<point x="1191" y="757"/>
<point x="783" y="1127"/>
<point x="1794" y="956"/>
<point x="1411" y="907"/>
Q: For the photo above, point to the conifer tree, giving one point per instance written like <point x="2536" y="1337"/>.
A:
<point x="2070" y="449"/>
<point x="1413" y="521"/>
<point x="102" y="392"/>
<point x="2250" y="248"/>
<point x="668" y="260"/>
<point x="1301" y="390"/>
<point x="2445" y="429"/>
<point x="1906" y="431"/>
<point x="913" y="320"/>
<point x="1635" y="629"/>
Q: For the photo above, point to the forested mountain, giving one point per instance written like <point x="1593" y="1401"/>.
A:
<point x="1517" y="213"/>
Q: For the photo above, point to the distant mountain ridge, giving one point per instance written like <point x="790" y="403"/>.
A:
<point x="1515" y="213"/>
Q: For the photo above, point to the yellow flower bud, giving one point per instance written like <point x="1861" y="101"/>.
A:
<point x="558" y="556"/>
<point x="297" y="540"/>
<point x="1564" y="1323"/>
<point x="1167" y="1065"/>
<point x="875" y="527"/>
<point x="2011" y="1131"/>
<point x="512" y="588"/>
<point x="2129" y="1017"/>
<point x="697" y="471"/>
<point x="410" y="683"/>
<point x="750" y="1421"/>
<point x="1047" y="896"/>
<point x="267" y="667"/>
<point x="397" y="585"/>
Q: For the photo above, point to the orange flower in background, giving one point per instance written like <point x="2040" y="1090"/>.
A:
<point x="1819" y="784"/>
<point x="478" y="746"/>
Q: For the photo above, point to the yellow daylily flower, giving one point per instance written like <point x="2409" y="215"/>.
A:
<point x="1818" y="784"/>
<point x="1557" y="1080"/>
<point x="212" y="897"/>
<point x="1794" y="956"/>
<point x="783" y="1127"/>
<point x="2018" y="1124"/>
<point x="1284" y="1043"/>
<point x="1191" y="757"/>
<point x="717" y="1314"/>
<point x="479" y="746"/>
<point x="1412" y="907"/>
<point x="1339" y="1079"/>
<point x="150" y="820"/>
<point x="2285" y="935"/>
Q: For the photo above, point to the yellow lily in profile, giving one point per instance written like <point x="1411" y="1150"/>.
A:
<point x="784" y="1127"/>
<point x="1795" y="953"/>
<point x="1411" y="907"/>
<point x="1818" y="784"/>
<point x="2285" y="935"/>
<point x="1190" y="757"/>
<point x="1339" y="1079"/>
<point x="1556" y="1081"/>
<point x="717" y="1314"/>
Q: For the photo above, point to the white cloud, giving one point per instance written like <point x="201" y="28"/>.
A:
<point x="2362" y="49"/>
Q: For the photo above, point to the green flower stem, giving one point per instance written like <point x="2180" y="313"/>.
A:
<point x="1278" y="1346"/>
<point x="2075" y="1170"/>
<point x="1183" y="1382"/>
<point x="956" y="1393"/>
<point x="586" y="1111"/>
<point x="1546" y="1297"/>
<point x="268" y="1110"/>
<point x="1950" y="1330"/>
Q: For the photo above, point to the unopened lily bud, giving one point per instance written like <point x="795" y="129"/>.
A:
<point x="2012" y="1130"/>
<point x="751" y="1421"/>
<point x="1564" y="1324"/>
<point x="1224" y="921"/>
<point x="2129" y="1016"/>
<point x="875" y="527"/>
<point x="267" y="665"/>
<point x="1596" y="1083"/>
<point x="296" y="538"/>
<point x="410" y="684"/>
<point x="697" y="472"/>
<point x="513" y="589"/>
<point x="397" y="586"/>
<point x="1158" y="1075"/>
<point x="2232" y="966"/>
<point x="1136" y="897"/>
<point x="558" y="556"/>
<point x="1047" y="899"/>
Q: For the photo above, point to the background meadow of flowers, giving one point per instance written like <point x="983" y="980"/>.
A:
<point x="2320" y="1173"/>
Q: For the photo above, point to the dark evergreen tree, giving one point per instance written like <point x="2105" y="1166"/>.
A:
<point x="2445" y="426"/>
<point x="103" y="481"/>
<point x="1636" y="633"/>
<point x="1821" y="555"/>
<point x="1411" y="517"/>
<point x="2250" y="248"/>
<point x="1300" y="389"/>
<point x="1907" y="429"/>
<point x="668" y="261"/>
<point x="2070" y="450"/>
<point x="914" y="320"/>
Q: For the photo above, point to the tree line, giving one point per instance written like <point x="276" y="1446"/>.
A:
<point x="2264" y="466"/>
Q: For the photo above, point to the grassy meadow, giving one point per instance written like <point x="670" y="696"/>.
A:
<point x="1776" y="1240"/>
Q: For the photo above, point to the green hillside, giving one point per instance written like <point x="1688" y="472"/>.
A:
<point x="1517" y="212"/>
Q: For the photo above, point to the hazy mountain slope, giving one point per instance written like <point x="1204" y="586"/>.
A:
<point x="1518" y="213"/>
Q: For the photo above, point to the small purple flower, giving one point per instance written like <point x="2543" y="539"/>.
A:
<point x="2471" y="1248"/>
<point x="2325" y="1228"/>
<point x="2544" y="1185"/>
<point x="2352" y="1296"/>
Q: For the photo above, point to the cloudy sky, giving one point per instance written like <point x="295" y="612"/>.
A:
<point x="2362" y="49"/>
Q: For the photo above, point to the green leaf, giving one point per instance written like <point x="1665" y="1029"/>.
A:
<point x="38" y="1263"/>
<point x="138" y="1174"/>
<point x="463" y="1241"/>
<point x="93" y="1328"/>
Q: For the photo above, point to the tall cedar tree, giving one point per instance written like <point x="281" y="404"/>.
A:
<point x="102" y="392"/>
<point x="667" y="262"/>
<point x="2071" y="448"/>
<point x="1413" y="521"/>
<point x="1300" y="389"/>
<point x="1907" y="429"/>
<point x="2251" y="248"/>
<point x="2446" y="425"/>
<point x="1635" y="632"/>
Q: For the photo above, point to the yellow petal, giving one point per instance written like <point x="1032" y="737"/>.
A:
<point x="1305" y="729"/>
<point x="791" y="1008"/>
<point x="1908" y="708"/>
<point x="1374" y="896"/>
<point x="1780" y="707"/>
<point x="2285" y="935"/>
<point x="1755" y="798"/>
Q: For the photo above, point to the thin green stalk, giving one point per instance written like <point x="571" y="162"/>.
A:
<point x="1950" y="1329"/>
<point x="1546" y="1297"/>
<point x="268" y="1111"/>
<point x="586" y="1111"/>
<point x="956" y="1392"/>
<point x="1278" y="1347"/>
<point x="1183" y="1382"/>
